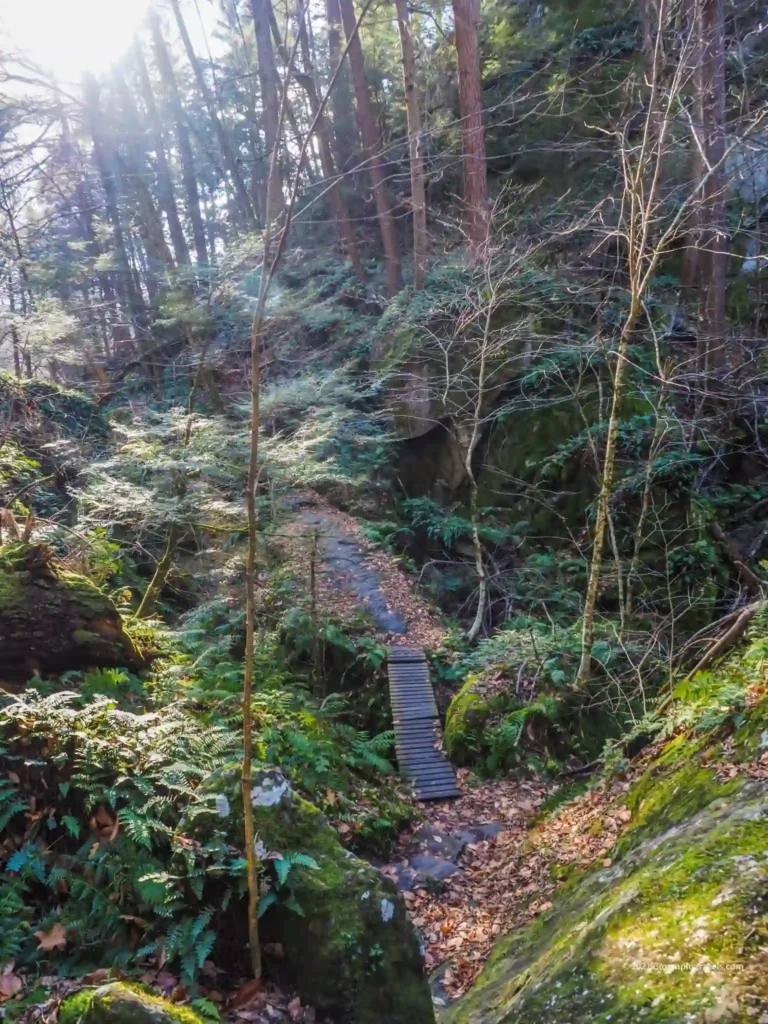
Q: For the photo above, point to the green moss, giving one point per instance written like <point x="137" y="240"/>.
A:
<point x="467" y="716"/>
<point x="72" y="1009"/>
<point x="55" y="620"/>
<point x="352" y="951"/>
<point x="673" y="929"/>
<point x="120" y="1003"/>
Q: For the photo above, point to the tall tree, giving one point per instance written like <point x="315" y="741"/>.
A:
<point x="268" y="82"/>
<point x="369" y="130"/>
<point x="466" y="15"/>
<point x="104" y="158"/>
<point x="188" y="174"/>
<point x="342" y="111"/>
<point x="165" y="190"/>
<point x="306" y="80"/>
<point x="416" y="157"/>
<point x="228" y="153"/>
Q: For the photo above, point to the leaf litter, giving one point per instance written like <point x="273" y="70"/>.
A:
<point x="508" y="880"/>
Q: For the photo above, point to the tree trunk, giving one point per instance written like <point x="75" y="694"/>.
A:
<point x="342" y="112"/>
<point x="14" y="330"/>
<point x="165" y="190"/>
<point x="604" y="495"/>
<point x="225" y="144"/>
<point x="182" y="137"/>
<point x="124" y="283"/>
<point x="372" y="145"/>
<point x="713" y="255"/>
<point x="307" y="82"/>
<point x="418" y="192"/>
<point x="467" y="17"/>
<point x="268" y="82"/>
<point x="160" y="574"/>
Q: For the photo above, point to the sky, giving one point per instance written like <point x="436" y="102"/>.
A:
<point x="68" y="37"/>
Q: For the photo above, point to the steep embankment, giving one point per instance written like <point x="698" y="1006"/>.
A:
<point x="672" y="925"/>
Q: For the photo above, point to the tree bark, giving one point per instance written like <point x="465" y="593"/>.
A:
<point x="372" y="144"/>
<point x="188" y="175"/>
<point x="467" y="18"/>
<point x="225" y="143"/>
<point x="165" y="189"/>
<point x="418" y="191"/>
<point x="15" y="341"/>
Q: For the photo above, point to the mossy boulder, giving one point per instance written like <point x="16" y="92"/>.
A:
<point x="465" y="721"/>
<point x="52" y="620"/>
<point x="674" y="929"/>
<point x="351" y="951"/>
<point x="122" y="1004"/>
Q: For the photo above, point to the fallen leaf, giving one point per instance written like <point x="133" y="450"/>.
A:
<point x="246" y="994"/>
<point x="294" y="1008"/>
<point x="10" y="985"/>
<point x="55" y="938"/>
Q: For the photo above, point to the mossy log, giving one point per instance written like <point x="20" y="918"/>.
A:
<point x="52" y="620"/>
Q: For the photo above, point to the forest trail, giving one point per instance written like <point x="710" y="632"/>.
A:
<point x="352" y="576"/>
<point x="467" y="873"/>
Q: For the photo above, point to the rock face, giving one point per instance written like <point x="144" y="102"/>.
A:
<point x="670" y="930"/>
<point x="352" y="951"/>
<point x="52" y="620"/>
<point x="121" y="1004"/>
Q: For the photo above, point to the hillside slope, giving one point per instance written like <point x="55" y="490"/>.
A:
<point x="674" y="926"/>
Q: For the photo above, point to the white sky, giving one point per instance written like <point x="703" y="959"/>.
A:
<point x="68" y="37"/>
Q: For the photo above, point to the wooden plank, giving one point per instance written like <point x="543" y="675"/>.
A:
<point x="417" y="725"/>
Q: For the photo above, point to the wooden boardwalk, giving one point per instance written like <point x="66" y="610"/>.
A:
<point x="417" y="726"/>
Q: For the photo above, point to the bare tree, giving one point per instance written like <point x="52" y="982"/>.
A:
<point x="225" y="142"/>
<point x="268" y="81"/>
<point x="165" y="189"/>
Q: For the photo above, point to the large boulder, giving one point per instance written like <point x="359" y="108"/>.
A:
<point x="52" y="620"/>
<point x="350" y="950"/>
<point x="122" y="1004"/>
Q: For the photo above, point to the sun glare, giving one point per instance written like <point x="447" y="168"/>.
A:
<point x="68" y="37"/>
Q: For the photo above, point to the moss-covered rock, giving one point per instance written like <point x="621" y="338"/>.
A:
<point x="351" y="951"/>
<point x="675" y="928"/>
<point x="52" y="620"/>
<point x="122" y="1004"/>
<point x="465" y="721"/>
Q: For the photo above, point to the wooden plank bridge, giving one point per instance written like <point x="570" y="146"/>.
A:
<point x="417" y="726"/>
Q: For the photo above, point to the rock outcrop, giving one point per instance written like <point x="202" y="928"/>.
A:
<point x="351" y="950"/>
<point x="52" y="620"/>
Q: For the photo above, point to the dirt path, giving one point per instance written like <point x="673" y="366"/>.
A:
<point x="353" y="576"/>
